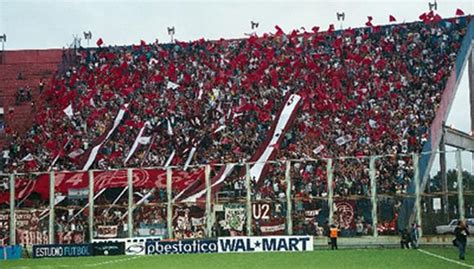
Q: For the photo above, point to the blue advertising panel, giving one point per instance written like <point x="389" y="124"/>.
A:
<point x="10" y="252"/>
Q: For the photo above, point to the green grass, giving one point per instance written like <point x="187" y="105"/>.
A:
<point x="360" y="258"/>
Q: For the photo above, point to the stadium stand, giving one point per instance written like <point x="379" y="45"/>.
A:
<point x="355" y="92"/>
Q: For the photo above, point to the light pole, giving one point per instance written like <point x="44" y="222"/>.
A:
<point x="254" y="25"/>
<point x="253" y="28"/>
<point x="171" y="33"/>
<point x="433" y="5"/>
<point x="3" y="39"/>
<point x="340" y="18"/>
<point x="88" y="37"/>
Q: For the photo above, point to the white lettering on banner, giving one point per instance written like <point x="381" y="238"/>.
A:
<point x="312" y="213"/>
<point x="273" y="228"/>
<point x="261" y="211"/>
<point x="265" y="244"/>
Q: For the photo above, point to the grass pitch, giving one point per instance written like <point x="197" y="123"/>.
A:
<point x="349" y="258"/>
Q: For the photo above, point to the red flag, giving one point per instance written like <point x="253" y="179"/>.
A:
<point x="279" y="30"/>
<point x="422" y="16"/>
<point x="459" y="12"/>
<point x="331" y="28"/>
<point x="437" y="18"/>
<point x="142" y="43"/>
<point x="99" y="42"/>
<point x="315" y="29"/>
<point x="370" y="18"/>
<point x="392" y="18"/>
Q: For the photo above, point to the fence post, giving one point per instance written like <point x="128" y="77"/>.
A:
<point x="131" y="206"/>
<point x="329" y="172"/>
<point x="209" y="218"/>
<point x="169" y="208"/>
<point x="91" y="205"/>
<point x="417" y="192"/>
<point x="12" y="210"/>
<point x="248" y="200"/>
<point x="373" y="195"/>
<point x="289" y="221"/>
<point x="51" y="206"/>
<point x="460" y="185"/>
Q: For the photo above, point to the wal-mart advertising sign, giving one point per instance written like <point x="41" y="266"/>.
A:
<point x="265" y="244"/>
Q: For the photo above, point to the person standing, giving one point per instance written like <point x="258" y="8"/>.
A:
<point x="461" y="232"/>
<point x="333" y="233"/>
<point x="415" y="235"/>
<point x="405" y="239"/>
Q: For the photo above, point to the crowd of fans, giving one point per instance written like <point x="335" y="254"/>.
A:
<point x="366" y="91"/>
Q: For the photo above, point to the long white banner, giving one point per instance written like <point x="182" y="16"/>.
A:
<point x="95" y="150"/>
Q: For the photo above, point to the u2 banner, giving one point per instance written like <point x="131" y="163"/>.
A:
<point x="181" y="247"/>
<point x="265" y="243"/>
<point x="51" y="251"/>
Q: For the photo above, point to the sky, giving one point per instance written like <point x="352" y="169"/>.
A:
<point x="36" y="24"/>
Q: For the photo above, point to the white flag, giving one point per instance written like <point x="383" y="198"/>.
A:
<point x="68" y="111"/>
<point x="172" y="85"/>
<point x="318" y="149"/>
<point x="190" y="157"/>
<point x="170" y="129"/>
<point x="222" y="127"/>
<point x="27" y="158"/>
<point x="153" y="61"/>
<point x="144" y="140"/>
<point x="373" y="124"/>
<point x="74" y="154"/>
<point x="343" y="139"/>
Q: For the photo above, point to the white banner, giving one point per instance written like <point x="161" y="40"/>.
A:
<point x="138" y="141"/>
<point x="265" y="244"/>
<point x="95" y="150"/>
<point x="290" y="107"/>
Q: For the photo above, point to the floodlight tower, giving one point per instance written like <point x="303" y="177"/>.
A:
<point x="254" y="25"/>
<point x="88" y="37"/>
<point x="171" y="32"/>
<point x="341" y="16"/>
<point x="3" y="39"/>
<point x="433" y="6"/>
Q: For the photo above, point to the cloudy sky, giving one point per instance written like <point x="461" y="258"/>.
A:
<point x="35" y="24"/>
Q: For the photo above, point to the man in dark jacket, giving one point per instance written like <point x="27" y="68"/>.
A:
<point x="461" y="232"/>
<point x="405" y="239"/>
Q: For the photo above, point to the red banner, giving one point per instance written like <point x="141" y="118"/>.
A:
<point x="28" y="228"/>
<point x="142" y="178"/>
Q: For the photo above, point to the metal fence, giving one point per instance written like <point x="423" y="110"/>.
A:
<point x="363" y="195"/>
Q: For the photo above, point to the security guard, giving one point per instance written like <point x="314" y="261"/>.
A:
<point x="333" y="233"/>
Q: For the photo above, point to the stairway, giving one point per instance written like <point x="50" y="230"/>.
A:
<point x="34" y="65"/>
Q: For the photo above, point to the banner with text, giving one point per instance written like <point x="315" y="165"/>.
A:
<point x="265" y="244"/>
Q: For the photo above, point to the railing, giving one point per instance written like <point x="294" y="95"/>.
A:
<point x="362" y="195"/>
